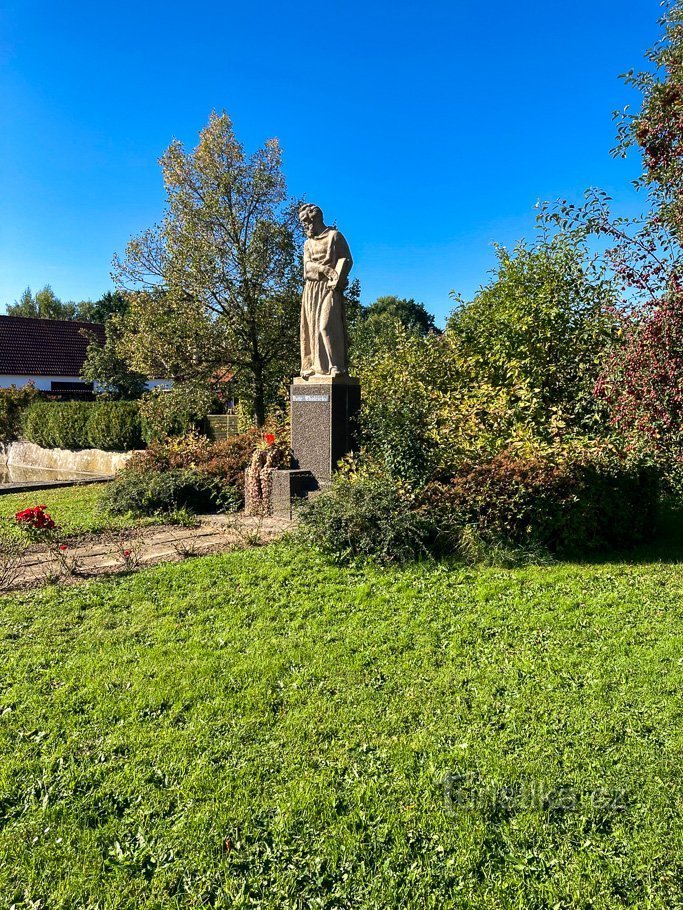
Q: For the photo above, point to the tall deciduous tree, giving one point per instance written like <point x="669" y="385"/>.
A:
<point x="111" y="303"/>
<point x="218" y="279"/>
<point x="542" y="328"/>
<point x="44" y="305"/>
<point x="411" y="315"/>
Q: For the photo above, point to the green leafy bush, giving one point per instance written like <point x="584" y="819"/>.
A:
<point x="111" y="425"/>
<point x="174" y="411"/>
<point x="542" y="328"/>
<point x="152" y="492"/>
<point x="516" y="367"/>
<point x="573" y="503"/>
<point x="224" y="461"/>
<point x="367" y="516"/>
<point x="511" y="508"/>
<point x="13" y="402"/>
<point x="115" y="425"/>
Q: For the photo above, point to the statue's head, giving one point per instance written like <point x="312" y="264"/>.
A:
<point x="311" y="218"/>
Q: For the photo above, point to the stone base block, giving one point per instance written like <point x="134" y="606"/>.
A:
<point x="287" y="488"/>
<point x="324" y="413"/>
<point x="280" y="490"/>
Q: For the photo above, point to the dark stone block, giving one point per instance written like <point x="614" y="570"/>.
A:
<point x="288" y="487"/>
<point x="324" y="417"/>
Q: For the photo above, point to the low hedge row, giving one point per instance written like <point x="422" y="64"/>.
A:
<point x="111" y="425"/>
<point x="583" y="503"/>
<point x="13" y="403"/>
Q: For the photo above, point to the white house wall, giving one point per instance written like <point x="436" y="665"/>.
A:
<point x="44" y="383"/>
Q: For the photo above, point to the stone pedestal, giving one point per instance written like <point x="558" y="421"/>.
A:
<point x="324" y="415"/>
<point x="287" y="488"/>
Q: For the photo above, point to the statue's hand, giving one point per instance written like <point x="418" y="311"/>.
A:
<point x="332" y="276"/>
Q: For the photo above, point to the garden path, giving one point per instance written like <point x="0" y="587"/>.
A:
<point x="115" y="552"/>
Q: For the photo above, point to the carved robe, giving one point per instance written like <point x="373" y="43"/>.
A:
<point x="323" y="323"/>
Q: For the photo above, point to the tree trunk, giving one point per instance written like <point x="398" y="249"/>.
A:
<point x="259" y="396"/>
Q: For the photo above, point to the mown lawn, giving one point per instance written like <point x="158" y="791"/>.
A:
<point x="261" y="729"/>
<point x="75" y="509"/>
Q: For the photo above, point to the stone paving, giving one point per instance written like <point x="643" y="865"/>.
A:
<point x="124" y="551"/>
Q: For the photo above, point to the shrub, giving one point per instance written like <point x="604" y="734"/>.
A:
<point x="516" y="365"/>
<point x="48" y="424"/>
<point x="175" y="411"/>
<point x="224" y="461"/>
<point x="541" y="328"/>
<point x="13" y="403"/>
<point x="153" y="492"/>
<point x="428" y="408"/>
<point x="230" y="458"/>
<point x="69" y="424"/>
<point x="578" y="502"/>
<point x="367" y="516"/>
<point x="642" y="383"/>
<point x="112" y="425"/>
<point x="115" y="425"/>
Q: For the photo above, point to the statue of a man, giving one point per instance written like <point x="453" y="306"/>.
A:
<point x="327" y="263"/>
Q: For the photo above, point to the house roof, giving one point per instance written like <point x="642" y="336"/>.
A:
<point x="44" y="347"/>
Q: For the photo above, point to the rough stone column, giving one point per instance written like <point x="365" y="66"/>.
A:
<point x="324" y="415"/>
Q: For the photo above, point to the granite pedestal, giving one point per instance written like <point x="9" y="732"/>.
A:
<point x="287" y="488"/>
<point x="324" y="417"/>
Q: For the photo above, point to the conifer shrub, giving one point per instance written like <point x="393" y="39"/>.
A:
<point x="13" y="402"/>
<point x="115" y="425"/>
<point x="110" y="425"/>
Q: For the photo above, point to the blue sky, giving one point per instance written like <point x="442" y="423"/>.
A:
<point x="427" y="131"/>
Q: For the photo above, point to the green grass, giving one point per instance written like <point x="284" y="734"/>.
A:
<point x="75" y="509"/>
<point x="306" y="716"/>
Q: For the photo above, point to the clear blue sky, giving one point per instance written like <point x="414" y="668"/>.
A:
<point x="427" y="131"/>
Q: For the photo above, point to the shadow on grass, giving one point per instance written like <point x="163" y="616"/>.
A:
<point x="665" y="547"/>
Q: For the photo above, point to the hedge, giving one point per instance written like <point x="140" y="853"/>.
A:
<point x="110" y="425"/>
<point x="586" y="502"/>
<point x="13" y="402"/>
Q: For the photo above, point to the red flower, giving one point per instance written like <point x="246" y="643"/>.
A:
<point x="63" y="546"/>
<point x="35" y="519"/>
<point x="270" y="439"/>
<point x="126" y="553"/>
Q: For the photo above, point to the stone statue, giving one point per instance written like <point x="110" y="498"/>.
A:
<point x="327" y="263"/>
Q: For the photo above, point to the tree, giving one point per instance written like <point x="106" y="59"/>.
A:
<point x="45" y="305"/>
<point x="106" y="368"/>
<point x="657" y="128"/>
<point x="411" y="315"/>
<point x="111" y="303"/>
<point x="25" y="306"/>
<point x="375" y="328"/>
<point x="542" y="329"/>
<point x="224" y="263"/>
<point x="643" y="383"/>
<point x="643" y="379"/>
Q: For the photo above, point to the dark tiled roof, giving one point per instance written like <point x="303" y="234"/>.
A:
<point x="43" y="347"/>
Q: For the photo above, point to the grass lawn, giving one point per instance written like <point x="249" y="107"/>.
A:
<point x="75" y="509"/>
<point x="261" y="729"/>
